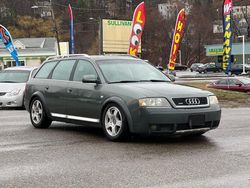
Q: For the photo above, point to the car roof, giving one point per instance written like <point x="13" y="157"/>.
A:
<point x="109" y="57"/>
<point x="21" y="68"/>
<point x="94" y="57"/>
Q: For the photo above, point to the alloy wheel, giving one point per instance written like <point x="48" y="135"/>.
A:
<point x="37" y="111"/>
<point x="113" y="121"/>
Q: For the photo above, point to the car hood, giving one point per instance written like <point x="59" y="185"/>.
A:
<point x="170" y="90"/>
<point x="8" y="87"/>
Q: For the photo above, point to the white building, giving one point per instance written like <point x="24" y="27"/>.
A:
<point x="167" y="10"/>
<point x="241" y="11"/>
<point x="31" y="51"/>
<point x="170" y="9"/>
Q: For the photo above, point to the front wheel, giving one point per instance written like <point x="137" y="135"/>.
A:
<point x="114" y="123"/>
<point x="38" y="116"/>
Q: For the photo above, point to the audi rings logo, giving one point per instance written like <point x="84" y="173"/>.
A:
<point x="193" y="101"/>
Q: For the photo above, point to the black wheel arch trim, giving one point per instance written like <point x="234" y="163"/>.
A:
<point x="124" y="107"/>
<point x="42" y="98"/>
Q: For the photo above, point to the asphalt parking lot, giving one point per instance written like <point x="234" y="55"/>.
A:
<point x="77" y="156"/>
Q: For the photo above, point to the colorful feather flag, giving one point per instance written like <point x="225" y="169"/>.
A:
<point x="71" y="30"/>
<point x="179" y="29"/>
<point x="228" y="35"/>
<point x="8" y="42"/>
<point x="138" y="24"/>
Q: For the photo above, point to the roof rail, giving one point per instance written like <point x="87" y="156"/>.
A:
<point x="65" y="56"/>
<point x="128" y="55"/>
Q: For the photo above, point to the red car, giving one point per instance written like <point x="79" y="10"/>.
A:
<point x="234" y="84"/>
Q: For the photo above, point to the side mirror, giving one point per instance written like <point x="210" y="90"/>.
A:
<point x="90" y="79"/>
<point x="239" y="84"/>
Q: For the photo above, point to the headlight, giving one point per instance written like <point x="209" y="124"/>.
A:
<point x="213" y="100"/>
<point x="14" y="92"/>
<point x="154" y="102"/>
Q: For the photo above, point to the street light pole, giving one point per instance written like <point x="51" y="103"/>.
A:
<point x="243" y="53"/>
<point x="180" y="56"/>
<point x="55" y="25"/>
<point x="54" y="22"/>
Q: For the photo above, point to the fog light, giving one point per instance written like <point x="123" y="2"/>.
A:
<point x="11" y="102"/>
<point x="154" y="127"/>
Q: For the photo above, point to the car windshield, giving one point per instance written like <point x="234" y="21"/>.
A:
<point x="14" y="76"/>
<point x="196" y="65"/>
<point x="245" y="81"/>
<point x="116" y="71"/>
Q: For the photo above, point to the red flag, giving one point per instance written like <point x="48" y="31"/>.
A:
<point x="138" y="24"/>
<point x="179" y="29"/>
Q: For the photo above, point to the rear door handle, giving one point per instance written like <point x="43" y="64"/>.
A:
<point x="69" y="90"/>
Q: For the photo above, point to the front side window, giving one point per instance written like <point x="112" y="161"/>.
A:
<point x="63" y="70"/>
<point x="14" y="76"/>
<point x="245" y="80"/>
<point x="234" y="82"/>
<point x="84" y="69"/>
<point x="44" y="72"/>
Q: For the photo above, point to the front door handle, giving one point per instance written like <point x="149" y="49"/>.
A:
<point x="69" y="90"/>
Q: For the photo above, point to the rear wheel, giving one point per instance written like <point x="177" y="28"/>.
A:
<point x="38" y="116"/>
<point x="114" y="123"/>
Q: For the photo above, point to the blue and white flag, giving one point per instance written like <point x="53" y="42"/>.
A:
<point x="8" y="42"/>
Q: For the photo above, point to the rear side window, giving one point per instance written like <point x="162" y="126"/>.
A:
<point x="222" y="82"/>
<point x="44" y="72"/>
<point x="84" y="68"/>
<point x="63" y="70"/>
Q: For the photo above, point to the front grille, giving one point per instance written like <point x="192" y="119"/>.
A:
<point x="2" y="93"/>
<point x="186" y="126"/>
<point x="190" y="102"/>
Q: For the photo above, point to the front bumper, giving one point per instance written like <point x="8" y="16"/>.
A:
<point x="13" y="101"/>
<point x="175" y="121"/>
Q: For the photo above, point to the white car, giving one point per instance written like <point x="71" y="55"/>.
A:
<point x="12" y="85"/>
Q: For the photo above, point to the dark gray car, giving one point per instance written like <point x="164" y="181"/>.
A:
<point x="120" y="94"/>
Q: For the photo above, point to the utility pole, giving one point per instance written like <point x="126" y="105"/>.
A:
<point x="243" y="53"/>
<point x="55" y="27"/>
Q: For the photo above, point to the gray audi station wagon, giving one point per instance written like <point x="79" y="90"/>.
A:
<point x="121" y="94"/>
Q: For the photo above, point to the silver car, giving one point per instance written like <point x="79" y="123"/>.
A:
<point x="12" y="85"/>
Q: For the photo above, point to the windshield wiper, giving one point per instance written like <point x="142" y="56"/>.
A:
<point x="154" y="81"/>
<point x="7" y="82"/>
<point x="124" y="81"/>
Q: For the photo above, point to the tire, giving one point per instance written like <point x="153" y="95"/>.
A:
<point x="38" y="116"/>
<point x="114" y="123"/>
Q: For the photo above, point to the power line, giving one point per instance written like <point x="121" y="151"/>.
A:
<point x="86" y="9"/>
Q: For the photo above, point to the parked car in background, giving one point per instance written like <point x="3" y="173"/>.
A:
<point x="120" y="94"/>
<point x="12" y="85"/>
<point x="195" y="66"/>
<point x="237" y="69"/>
<point x="209" y="67"/>
<point x="180" y="67"/>
<point x="234" y="84"/>
<point x="170" y="74"/>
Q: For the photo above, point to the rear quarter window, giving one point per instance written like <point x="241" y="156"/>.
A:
<point x="46" y="69"/>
